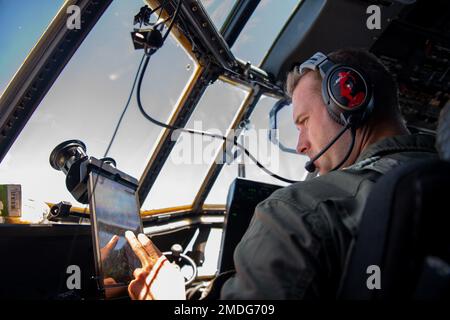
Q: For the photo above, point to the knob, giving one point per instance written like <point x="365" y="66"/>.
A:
<point x="176" y="250"/>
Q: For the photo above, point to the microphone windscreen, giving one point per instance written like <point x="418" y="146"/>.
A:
<point x="310" y="166"/>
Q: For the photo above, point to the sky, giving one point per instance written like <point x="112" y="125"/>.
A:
<point x="88" y="97"/>
<point x="21" y="25"/>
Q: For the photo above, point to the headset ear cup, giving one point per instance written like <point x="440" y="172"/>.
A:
<point x="331" y="107"/>
<point x="340" y="99"/>
<point x="334" y="115"/>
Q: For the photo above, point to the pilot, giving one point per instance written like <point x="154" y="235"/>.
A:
<point x="297" y="244"/>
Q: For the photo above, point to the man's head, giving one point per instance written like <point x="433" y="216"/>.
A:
<point x="317" y="128"/>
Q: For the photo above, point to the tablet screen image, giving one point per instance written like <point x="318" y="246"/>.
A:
<point x="115" y="210"/>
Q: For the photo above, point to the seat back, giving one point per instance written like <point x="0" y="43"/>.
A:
<point x="404" y="233"/>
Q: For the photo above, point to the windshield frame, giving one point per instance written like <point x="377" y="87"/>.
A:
<point x="49" y="56"/>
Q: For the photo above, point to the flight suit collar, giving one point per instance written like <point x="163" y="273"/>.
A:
<point x="402" y="143"/>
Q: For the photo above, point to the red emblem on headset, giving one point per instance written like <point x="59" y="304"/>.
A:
<point x="347" y="83"/>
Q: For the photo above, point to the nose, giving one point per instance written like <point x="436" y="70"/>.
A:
<point x="302" y="143"/>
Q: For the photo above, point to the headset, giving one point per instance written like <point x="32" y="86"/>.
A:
<point x="348" y="96"/>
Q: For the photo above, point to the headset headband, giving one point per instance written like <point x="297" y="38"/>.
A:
<point x="318" y="61"/>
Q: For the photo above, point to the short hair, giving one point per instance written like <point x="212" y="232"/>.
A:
<point x="385" y="88"/>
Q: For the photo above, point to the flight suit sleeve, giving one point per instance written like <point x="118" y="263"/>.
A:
<point x="280" y="256"/>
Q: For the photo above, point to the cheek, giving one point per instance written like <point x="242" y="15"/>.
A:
<point x="330" y="130"/>
<point x="322" y="128"/>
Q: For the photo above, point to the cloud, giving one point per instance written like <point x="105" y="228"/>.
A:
<point x="113" y="76"/>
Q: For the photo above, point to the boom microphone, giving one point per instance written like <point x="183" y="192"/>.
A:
<point x="310" y="166"/>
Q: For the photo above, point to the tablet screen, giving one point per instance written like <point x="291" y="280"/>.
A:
<point x="115" y="210"/>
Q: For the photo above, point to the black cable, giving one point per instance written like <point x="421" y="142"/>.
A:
<point x="309" y="166"/>
<point x="175" y="15"/>
<point x="116" y="129"/>
<point x="140" y="74"/>
<point x="192" y="131"/>
<point x="151" y="11"/>
<point x="349" y="151"/>
<point x="124" y="109"/>
<point x="77" y="232"/>
<point x="160" y="7"/>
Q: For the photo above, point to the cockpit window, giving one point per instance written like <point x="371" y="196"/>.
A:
<point x="285" y="164"/>
<point x="21" y="25"/>
<point x="187" y="166"/>
<point x="89" y="96"/>
<point x="87" y="100"/>
<point x="262" y="29"/>
<point x="218" y="10"/>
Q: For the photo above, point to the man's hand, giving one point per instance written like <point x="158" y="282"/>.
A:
<point x="148" y="254"/>
<point x="106" y="250"/>
<point x="158" y="278"/>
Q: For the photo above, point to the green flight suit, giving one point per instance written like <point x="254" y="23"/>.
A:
<point x="296" y="244"/>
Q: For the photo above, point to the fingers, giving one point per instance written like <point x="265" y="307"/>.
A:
<point x="140" y="273"/>
<point x="112" y="243"/>
<point x="137" y="272"/>
<point x="149" y="247"/>
<point x="106" y="250"/>
<point x="109" y="281"/>
<point x="138" y="290"/>
<point x="134" y="289"/>
<point x="137" y="248"/>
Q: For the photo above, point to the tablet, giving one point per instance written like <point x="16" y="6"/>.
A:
<point x="114" y="210"/>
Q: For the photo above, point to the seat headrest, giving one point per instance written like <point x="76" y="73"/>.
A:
<point x="443" y="133"/>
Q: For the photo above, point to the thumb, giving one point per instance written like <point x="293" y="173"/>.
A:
<point x="137" y="289"/>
